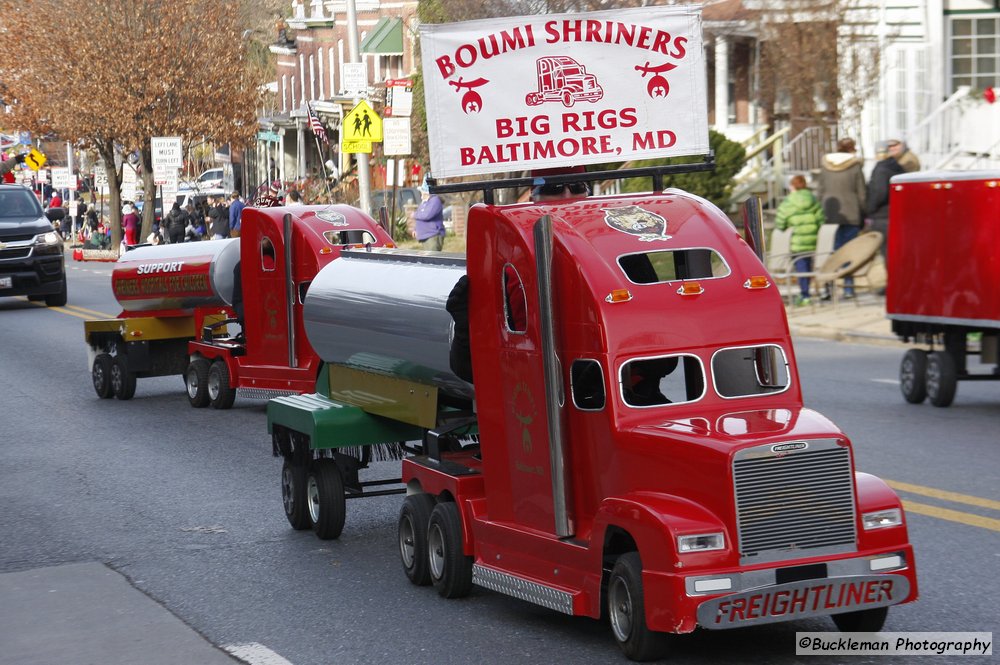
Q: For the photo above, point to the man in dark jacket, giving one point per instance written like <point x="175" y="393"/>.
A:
<point x="878" y="193"/>
<point x="177" y="221"/>
<point x="218" y="220"/>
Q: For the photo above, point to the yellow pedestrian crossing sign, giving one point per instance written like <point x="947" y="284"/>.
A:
<point x="362" y="124"/>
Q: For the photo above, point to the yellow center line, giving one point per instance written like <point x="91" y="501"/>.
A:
<point x="952" y="515"/>
<point x="63" y="310"/>
<point x="944" y="495"/>
<point x="91" y="311"/>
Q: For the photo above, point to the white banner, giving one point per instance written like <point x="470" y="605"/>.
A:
<point x="564" y="89"/>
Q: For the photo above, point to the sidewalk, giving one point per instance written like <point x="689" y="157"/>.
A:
<point x="88" y="614"/>
<point x="859" y="320"/>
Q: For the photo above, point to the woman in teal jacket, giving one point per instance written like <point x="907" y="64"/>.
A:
<point x="801" y="212"/>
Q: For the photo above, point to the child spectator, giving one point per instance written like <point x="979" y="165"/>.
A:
<point x="803" y="214"/>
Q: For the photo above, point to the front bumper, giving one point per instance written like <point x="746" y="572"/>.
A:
<point x="33" y="276"/>
<point x="801" y="589"/>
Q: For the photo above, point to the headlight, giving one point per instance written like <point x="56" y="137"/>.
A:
<point x="881" y="519"/>
<point x="48" y="243"/>
<point x="702" y="542"/>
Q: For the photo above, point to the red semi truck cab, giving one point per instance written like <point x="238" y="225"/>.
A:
<point x="717" y="493"/>
<point x="643" y="450"/>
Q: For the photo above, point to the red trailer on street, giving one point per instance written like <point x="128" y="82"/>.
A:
<point x="944" y="278"/>
<point x="225" y="314"/>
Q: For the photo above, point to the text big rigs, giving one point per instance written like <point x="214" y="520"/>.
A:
<point x="178" y="302"/>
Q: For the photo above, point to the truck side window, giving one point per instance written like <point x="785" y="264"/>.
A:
<point x="587" y="385"/>
<point x="662" y="380"/>
<point x="672" y="265"/>
<point x="267" y="255"/>
<point x="515" y="306"/>
<point x="750" y="370"/>
<point x="350" y="237"/>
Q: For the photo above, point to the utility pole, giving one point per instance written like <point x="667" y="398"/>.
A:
<point x="364" y="172"/>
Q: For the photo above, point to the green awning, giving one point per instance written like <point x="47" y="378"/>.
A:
<point x="386" y="38"/>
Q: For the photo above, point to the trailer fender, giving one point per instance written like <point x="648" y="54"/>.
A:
<point x="330" y="424"/>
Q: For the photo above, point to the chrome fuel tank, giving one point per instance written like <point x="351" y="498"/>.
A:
<point x="177" y="277"/>
<point x="384" y="311"/>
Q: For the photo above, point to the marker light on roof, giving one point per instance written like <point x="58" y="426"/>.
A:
<point x="690" y="289"/>
<point x="619" y="295"/>
<point x="757" y="282"/>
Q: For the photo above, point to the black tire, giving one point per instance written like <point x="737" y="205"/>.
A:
<point x="450" y="569"/>
<point x="942" y="378"/>
<point x="196" y="382"/>
<point x="325" y="499"/>
<point x="626" y="608"/>
<point x="122" y="380"/>
<point x="100" y="375"/>
<point x="293" y="495"/>
<point x="58" y="299"/>
<point x="913" y="376"/>
<point x="414" y="520"/>
<point x="220" y="394"/>
<point x="862" y="621"/>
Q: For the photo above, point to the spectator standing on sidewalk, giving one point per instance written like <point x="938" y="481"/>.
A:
<point x="218" y="220"/>
<point x="878" y="196"/>
<point x="903" y="156"/>
<point x="130" y="224"/>
<point x="801" y="212"/>
<point x="176" y="222"/>
<point x="842" y="193"/>
<point x="429" y="218"/>
<point x="236" y="206"/>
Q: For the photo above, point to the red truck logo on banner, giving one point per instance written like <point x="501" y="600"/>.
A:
<point x="563" y="79"/>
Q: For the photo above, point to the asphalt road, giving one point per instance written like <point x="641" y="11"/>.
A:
<point x="186" y="504"/>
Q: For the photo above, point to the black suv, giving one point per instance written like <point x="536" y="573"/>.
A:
<point x="31" y="252"/>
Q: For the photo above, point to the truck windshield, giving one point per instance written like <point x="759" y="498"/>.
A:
<point x="750" y="370"/>
<point x="672" y="265"/>
<point x="662" y="380"/>
<point x="19" y="203"/>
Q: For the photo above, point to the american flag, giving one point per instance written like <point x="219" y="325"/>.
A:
<point x="317" y="126"/>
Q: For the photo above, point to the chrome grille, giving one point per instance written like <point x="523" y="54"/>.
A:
<point x="794" y="505"/>
<point x="15" y="253"/>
